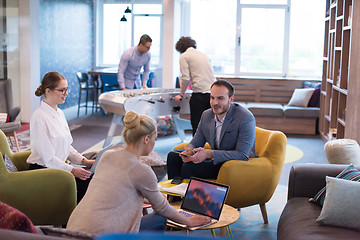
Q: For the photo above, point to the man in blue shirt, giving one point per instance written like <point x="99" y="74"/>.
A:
<point x="131" y="62"/>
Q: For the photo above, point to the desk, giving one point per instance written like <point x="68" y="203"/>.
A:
<point x="108" y="78"/>
<point x="228" y="216"/>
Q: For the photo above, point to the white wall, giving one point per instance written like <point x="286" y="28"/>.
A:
<point x="29" y="56"/>
<point x="168" y="74"/>
<point x="12" y="42"/>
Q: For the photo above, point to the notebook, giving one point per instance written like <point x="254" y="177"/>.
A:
<point x="205" y="198"/>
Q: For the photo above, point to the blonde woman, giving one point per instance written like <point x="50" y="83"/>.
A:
<point x="114" y="200"/>
<point x="50" y="136"/>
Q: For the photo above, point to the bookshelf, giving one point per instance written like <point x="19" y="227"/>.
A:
<point x="340" y="88"/>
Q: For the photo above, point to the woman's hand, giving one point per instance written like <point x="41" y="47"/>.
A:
<point x="198" y="220"/>
<point x="80" y="173"/>
<point x="86" y="162"/>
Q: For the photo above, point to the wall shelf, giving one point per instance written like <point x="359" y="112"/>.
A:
<point x="340" y="90"/>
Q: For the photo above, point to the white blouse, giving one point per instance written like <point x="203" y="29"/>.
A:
<point x="50" y="139"/>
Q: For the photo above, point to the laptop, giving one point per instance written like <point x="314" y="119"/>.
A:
<point x="92" y="169"/>
<point x="205" y="198"/>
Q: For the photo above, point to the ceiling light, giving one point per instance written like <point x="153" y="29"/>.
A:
<point x="128" y="10"/>
<point x="123" y="19"/>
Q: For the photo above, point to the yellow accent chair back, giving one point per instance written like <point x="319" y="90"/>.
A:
<point x="254" y="181"/>
<point x="46" y="196"/>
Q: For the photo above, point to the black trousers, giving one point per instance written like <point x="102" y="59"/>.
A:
<point x="81" y="185"/>
<point x="199" y="102"/>
<point x="177" y="168"/>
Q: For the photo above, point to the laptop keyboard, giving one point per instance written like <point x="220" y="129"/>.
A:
<point x="186" y="214"/>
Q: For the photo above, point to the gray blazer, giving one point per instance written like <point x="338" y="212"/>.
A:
<point x="237" y="140"/>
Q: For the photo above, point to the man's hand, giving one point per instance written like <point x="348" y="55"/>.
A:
<point x="144" y="85"/>
<point x="186" y="153"/>
<point x="200" y="155"/>
<point x="178" y="98"/>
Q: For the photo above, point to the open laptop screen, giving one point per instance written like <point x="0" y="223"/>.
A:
<point x="205" y="197"/>
<point x="92" y="169"/>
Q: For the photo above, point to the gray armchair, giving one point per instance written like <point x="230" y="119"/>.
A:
<point x="6" y="106"/>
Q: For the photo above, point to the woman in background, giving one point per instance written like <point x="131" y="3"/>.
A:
<point x="50" y="137"/>
<point x="115" y="197"/>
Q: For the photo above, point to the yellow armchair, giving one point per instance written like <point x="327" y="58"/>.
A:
<point x="46" y="196"/>
<point x="254" y="181"/>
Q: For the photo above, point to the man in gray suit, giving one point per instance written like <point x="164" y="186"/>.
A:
<point x="227" y="127"/>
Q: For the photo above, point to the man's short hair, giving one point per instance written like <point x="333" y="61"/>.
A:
<point x="184" y="43"/>
<point x="226" y="84"/>
<point x="144" y="39"/>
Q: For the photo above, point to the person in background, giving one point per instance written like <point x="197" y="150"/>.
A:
<point x="195" y="68"/>
<point x="115" y="197"/>
<point x="131" y="62"/>
<point x="50" y="137"/>
<point x="227" y="127"/>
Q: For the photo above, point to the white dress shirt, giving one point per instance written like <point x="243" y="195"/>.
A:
<point x="195" y="67"/>
<point x="50" y="139"/>
<point x="218" y="128"/>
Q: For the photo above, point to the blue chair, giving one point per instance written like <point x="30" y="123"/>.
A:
<point x="109" y="82"/>
<point x="149" y="81"/>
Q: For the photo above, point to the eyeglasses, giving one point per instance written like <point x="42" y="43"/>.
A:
<point x="63" y="91"/>
<point x="148" y="48"/>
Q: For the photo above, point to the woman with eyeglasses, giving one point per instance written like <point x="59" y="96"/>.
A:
<point x="50" y="137"/>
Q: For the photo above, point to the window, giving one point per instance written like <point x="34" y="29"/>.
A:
<point x="214" y="32"/>
<point x="281" y="38"/>
<point x="115" y="36"/>
<point x="261" y="42"/>
<point x="306" y="38"/>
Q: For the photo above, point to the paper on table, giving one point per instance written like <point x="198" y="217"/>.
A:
<point x="178" y="189"/>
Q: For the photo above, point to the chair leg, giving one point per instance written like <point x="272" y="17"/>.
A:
<point x="264" y="213"/>
<point x="87" y="99"/>
<point x="13" y="134"/>
<point x="79" y="102"/>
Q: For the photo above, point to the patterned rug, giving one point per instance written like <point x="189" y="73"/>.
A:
<point x="23" y="140"/>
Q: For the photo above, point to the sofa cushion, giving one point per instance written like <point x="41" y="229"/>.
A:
<point x="349" y="173"/>
<point x="266" y="109"/>
<point x="301" y="112"/>
<point x="13" y="219"/>
<point x="315" y="97"/>
<point x="243" y="104"/>
<point x="301" y="97"/>
<point x="298" y="221"/>
<point x="341" y="207"/>
<point x="67" y="233"/>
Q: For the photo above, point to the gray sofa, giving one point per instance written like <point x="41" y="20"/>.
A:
<point x="298" y="219"/>
<point x="285" y="118"/>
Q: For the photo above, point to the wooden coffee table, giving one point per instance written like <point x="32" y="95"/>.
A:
<point x="228" y="216"/>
